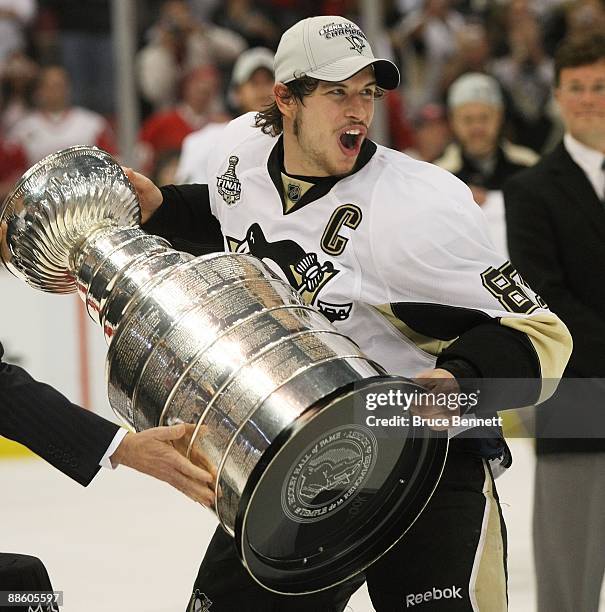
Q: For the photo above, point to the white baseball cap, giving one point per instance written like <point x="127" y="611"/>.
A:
<point x="474" y="87"/>
<point x="249" y="62"/>
<point x="329" y="48"/>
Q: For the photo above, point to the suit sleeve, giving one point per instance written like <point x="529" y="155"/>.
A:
<point x="34" y="414"/>
<point x="447" y="283"/>
<point x="186" y="221"/>
<point x="533" y="248"/>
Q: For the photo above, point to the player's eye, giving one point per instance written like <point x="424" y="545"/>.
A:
<point x="337" y="92"/>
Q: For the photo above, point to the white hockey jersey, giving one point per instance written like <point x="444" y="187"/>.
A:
<point x="196" y="150"/>
<point x="396" y="255"/>
<point x="41" y="134"/>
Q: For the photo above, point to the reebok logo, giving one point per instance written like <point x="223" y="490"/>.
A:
<point x="415" y="599"/>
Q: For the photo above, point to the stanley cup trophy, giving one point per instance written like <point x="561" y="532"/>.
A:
<point x="273" y="393"/>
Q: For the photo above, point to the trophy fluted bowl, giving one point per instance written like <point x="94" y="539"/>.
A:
<point x="274" y="397"/>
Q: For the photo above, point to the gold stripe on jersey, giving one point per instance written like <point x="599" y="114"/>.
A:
<point x="552" y="342"/>
<point x="294" y="190"/>
<point x="487" y="589"/>
<point x="433" y="346"/>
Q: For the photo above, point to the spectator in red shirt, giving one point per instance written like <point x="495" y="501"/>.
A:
<point x="55" y="124"/>
<point x="165" y="130"/>
<point x="432" y="133"/>
<point x="400" y="129"/>
<point x="13" y="163"/>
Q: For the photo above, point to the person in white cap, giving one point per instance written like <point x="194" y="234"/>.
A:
<point x="480" y="155"/>
<point x="250" y="91"/>
<point x="395" y="253"/>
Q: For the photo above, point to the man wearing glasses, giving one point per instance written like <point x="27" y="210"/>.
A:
<point x="555" y="214"/>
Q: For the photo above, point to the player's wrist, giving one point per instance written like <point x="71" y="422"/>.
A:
<point x="468" y="378"/>
<point x="460" y="368"/>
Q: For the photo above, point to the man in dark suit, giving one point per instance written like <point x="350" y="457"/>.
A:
<point x="555" y="216"/>
<point x="78" y="442"/>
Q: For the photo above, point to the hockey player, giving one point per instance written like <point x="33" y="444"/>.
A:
<point x="250" y="90"/>
<point x="396" y="254"/>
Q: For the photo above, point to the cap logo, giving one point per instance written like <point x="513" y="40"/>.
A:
<point x="357" y="43"/>
<point x="350" y="30"/>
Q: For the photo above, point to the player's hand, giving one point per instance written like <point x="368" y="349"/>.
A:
<point x="152" y="452"/>
<point x="4" y="249"/>
<point x="150" y="197"/>
<point x="441" y="384"/>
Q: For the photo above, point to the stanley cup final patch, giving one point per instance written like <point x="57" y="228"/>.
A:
<point x="228" y="185"/>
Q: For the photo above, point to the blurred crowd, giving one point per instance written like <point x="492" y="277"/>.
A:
<point x="57" y="76"/>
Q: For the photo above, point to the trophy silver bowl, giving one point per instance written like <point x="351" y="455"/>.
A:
<point x="272" y="394"/>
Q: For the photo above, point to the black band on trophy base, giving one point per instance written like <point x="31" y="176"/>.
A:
<point x="331" y="494"/>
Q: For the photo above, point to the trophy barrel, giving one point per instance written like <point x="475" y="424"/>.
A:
<point x="273" y="396"/>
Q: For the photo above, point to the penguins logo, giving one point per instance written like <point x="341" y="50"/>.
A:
<point x="357" y="43"/>
<point x="303" y="270"/>
<point x="199" y="602"/>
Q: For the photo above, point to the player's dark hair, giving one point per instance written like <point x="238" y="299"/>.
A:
<point x="270" y="120"/>
<point x="579" y="51"/>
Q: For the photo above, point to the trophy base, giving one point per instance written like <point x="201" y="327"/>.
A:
<point x="332" y="493"/>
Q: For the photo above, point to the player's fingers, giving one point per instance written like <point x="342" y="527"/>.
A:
<point x="4" y="248"/>
<point x="426" y="382"/>
<point x="426" y="410"/>
<point x="425" y="374"/>
<point x="140" y="182"/>
<point x="130" y="174"/>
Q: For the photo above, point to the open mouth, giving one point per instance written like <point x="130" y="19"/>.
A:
<point x="350" y="140"/>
